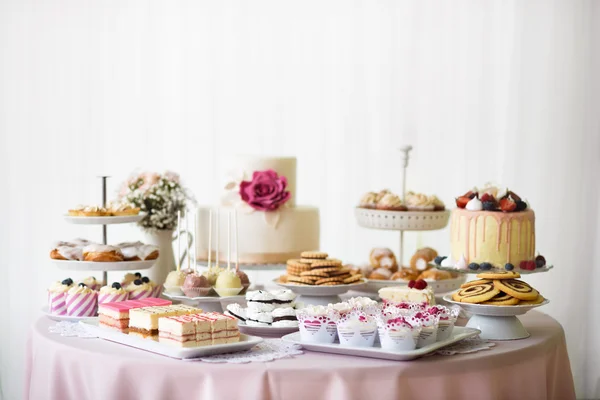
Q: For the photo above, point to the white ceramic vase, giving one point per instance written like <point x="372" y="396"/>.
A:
<point x="166" y="259"/>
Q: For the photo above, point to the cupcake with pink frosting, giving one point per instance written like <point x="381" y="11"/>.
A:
<point x="82" y="301"/>
<point x="138" y="290"/>
<point x="112" y="294"/>
<point x="57" y="296"/>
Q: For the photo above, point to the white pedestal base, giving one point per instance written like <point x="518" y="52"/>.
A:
<point x="318" y="300"/>
<point x="498" y="328"/>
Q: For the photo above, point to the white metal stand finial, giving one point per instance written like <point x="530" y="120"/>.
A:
<point x="405" y="156"/>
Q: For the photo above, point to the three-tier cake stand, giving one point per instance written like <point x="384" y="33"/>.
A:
<point x="402" y="221"/>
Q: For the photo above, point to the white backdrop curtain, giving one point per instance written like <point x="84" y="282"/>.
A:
<point x="505" y="91"/>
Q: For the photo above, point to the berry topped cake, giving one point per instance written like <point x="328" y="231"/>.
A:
<point x="492" y="228"/>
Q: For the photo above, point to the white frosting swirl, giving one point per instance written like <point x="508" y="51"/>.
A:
<point x="474" y="204"/>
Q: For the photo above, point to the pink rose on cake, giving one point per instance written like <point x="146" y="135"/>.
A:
<point x="266" y="191"/>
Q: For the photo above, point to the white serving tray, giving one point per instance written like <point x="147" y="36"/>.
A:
<point x="442" y="286"/>
<point x="401" y="220"/>
<point x="125" y="219"/>
<point x="314" y="290"/>
<point x="266" y="330"/>
<point x="69" y="318"/>
<point x="246" y="343"/>
<point x="74" y="265"/>
<point x="459" y="333"/>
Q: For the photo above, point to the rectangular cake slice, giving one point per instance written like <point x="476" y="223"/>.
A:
<point x="143" y="322"/>
<point x="116" y="315"/>
<point x="398" y="294"/>
<point x="178" y="330"/>
<point x="203" y="330"/>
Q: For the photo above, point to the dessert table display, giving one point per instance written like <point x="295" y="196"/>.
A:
<point x="69" y="368"/>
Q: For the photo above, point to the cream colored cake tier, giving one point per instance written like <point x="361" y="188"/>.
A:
<point x="492" y="236"/>
<point x="259" y="241"/>
<point x="242" y="167"/>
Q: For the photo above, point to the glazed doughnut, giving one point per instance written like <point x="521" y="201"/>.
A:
<point x="435" y="274"/>
<point x="102" y="253"/>
<point x="420" y="260"/>
<point x="404" y="274"/>
<point x="383" y="258"/>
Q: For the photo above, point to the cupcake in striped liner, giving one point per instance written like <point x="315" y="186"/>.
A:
<point x="82" y="301"/>
<point x="156" y="289"/>
<point x="57" y="296"/>
<point x="139" y="289"/>
<point x="92" y="283"/>
<point x="112" y="294"/>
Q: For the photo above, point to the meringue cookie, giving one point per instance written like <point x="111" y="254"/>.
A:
<point x="474" y="204"/>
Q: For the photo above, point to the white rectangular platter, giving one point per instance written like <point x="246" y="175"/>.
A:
<point x="246" y="343"/>
<point x="459" y="333"/>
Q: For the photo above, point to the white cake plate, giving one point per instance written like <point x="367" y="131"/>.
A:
<point x="269" y="331"/>
<point x="126" y="219"/>
<point x="74" y="265"/>
<point x="497" y="322"/>
<point x="441" y="286"/>
<point x="480" y="271"/>
<point x="402" y="220"/>
<point x="59" y="318"/>
<point x="207" y="303"/>
<point x="249" y="267"/>
<point x="319" y="295"/>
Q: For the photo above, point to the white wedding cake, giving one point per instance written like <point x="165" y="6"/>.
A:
<point x="271" y="227"/>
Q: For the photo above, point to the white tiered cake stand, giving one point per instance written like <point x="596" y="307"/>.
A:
<point x="497" y="322"/>
<point x="405" y="221"/>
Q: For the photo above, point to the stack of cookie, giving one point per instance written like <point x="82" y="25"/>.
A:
<point x="499" y="288"/>
<point x="315" y="268"/>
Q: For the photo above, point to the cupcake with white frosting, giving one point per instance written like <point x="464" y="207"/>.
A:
<point x="82" y="301"/>
<point x="138" y="290"/>
<point x="112" y="293"/>
<point x="57" y="296"/>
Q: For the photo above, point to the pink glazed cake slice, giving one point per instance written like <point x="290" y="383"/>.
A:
<point x="116" y="315"/>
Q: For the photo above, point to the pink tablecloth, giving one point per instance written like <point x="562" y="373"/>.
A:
<point x="74" y="368"/>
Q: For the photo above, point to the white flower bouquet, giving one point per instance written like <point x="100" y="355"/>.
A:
<point x="160" y="196"/>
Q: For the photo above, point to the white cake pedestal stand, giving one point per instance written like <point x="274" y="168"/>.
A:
<point x="497" y="322"/>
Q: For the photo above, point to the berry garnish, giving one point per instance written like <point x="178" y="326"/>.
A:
<point x="521" y="205"/>
<point x="116" y="285"/>
<point x="470" y="194"/>
<point x="515" y="196"/>
<point x="523" y="264"/>
<point x="490" y="205"/>
<point x="438" y="260"/>
<point x="411" y="284"/>
<point x="474" y="266"/>
<point x="540" y="261"/>
<point x="420" y="284"/>
<point x="138" y="275"/>
<point x="509" y="267"/>
<point x="145" y="279"/>
<point x="485" y="266"/>
<point x="487" y="197"/>
<point x="82" y="284"/>
<point x="508" y="205"/>
<point x="461" y="202"/>
<point x="67" y="282"/>
<point x="137" y="282"/>
<point x="531" y="265"/>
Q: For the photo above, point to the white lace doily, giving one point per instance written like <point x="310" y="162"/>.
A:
<point x="269" y="350"/>
<point x="465" y="346"/>
<point x="71" y="329"/>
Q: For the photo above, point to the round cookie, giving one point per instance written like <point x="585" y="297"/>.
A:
<point x="353" y="279"/>
<point x="499" y="275"/>
<point x="314" y="254"/>
<point x="475" y="282"/>
<point x="502" y="299"/>
<point x="476" y="293"/>
<point x="326" y="263"/>
<point x="517" y="289"/>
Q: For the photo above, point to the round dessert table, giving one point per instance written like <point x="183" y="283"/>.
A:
<point x="76" y="368"/>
